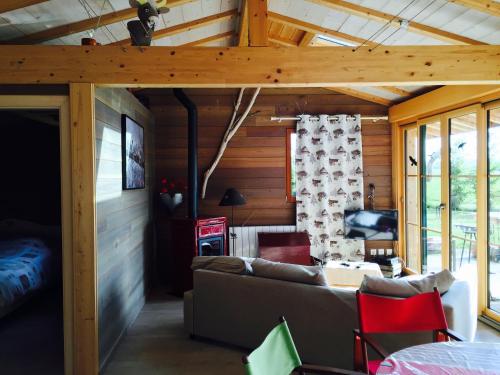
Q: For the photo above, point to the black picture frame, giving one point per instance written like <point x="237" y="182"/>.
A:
<point x="133" y="156"/>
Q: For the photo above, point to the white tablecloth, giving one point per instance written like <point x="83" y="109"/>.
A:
<point x="351" y="275"/>
<point x="453" y="358"/>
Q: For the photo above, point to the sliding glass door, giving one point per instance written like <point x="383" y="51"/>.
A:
<point x="411" y="214"/>
<point x="440" y="193"/>
<point x="463" y="193"/>
<point x="431" y="196"/>
<point x="451" y="198"/>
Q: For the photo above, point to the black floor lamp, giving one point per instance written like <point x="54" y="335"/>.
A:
<point x="232" y="197"/>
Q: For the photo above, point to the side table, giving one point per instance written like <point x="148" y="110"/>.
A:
<point x="339" y="273"/>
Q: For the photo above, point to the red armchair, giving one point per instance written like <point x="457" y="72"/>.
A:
<point x="377" y="314"/>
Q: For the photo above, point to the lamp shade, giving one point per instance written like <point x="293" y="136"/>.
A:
<point x="232" y="197"/>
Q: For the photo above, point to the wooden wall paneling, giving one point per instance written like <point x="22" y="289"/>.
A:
<point x="124" y="220"/>
<point x="84" y="228"/>
<point x="255" y="161"/>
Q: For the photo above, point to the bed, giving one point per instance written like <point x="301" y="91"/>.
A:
<point x="28" y="265"/>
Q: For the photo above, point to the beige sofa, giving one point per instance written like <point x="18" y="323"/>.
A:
<point x="242" y="309"/>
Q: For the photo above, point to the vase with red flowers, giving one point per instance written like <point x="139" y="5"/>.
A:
<point x="171" y="193"/>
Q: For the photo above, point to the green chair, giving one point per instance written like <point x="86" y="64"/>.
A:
<point x="277" y="355"/>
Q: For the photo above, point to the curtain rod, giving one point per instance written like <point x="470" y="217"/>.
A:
<point x="372" y="118"/>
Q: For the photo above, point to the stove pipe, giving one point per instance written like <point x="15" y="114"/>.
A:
<point x="193" y="188"/>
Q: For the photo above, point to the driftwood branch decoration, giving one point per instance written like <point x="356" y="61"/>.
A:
<point x="234" y="125"/>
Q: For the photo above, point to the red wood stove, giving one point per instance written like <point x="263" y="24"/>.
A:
<point x="193" y="237"/>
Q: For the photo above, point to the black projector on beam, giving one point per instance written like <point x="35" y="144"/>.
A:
<point x="141" y="30"/>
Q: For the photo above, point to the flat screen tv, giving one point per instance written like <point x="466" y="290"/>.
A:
<point x="371" y="225"/>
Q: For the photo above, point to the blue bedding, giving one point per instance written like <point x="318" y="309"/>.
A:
<point x="25" y="267"/>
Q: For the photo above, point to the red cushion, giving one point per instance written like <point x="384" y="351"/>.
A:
<point x="373" y="366"/>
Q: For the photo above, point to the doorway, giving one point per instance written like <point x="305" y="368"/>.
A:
<point x="31" y="313"/>
<point x="55" y="109"/>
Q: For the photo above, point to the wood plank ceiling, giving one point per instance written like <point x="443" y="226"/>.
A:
<point x="291" y="23"/>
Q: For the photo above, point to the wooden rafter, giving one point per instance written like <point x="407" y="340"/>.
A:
<point x="243" y="25"/>
<point x="282" y="41"/>
<point x="84" y="25"/>
<point x="307" y="39"/>
<point x="361" y="95"/>
<point x="209" y="39"/>
<point x="8" y="5"/>
<point x="372" y="14"/>
<point x="250" y="67"/>
<point x="487" y="6"/>
<point x="312" y="28"/>
<point x="200" y="22"/>
<point x="396" y="90"/>
<point x="257" y="23"/>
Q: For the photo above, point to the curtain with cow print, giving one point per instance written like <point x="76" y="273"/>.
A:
<point x="329" y="180"/>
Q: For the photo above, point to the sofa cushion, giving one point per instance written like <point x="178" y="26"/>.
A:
<point x="228" y="264"/>
<point x="407" y="286"/>
<point x="289" y="272"/>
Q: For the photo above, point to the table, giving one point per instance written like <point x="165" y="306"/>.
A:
<point x="461" y="358"/>
<point x="338" y="274"/>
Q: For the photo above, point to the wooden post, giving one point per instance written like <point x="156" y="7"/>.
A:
<point x="82" y="102"/>
<point x="257" y="23"/>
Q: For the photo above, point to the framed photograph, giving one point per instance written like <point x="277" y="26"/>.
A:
<point x="133" y="158"/>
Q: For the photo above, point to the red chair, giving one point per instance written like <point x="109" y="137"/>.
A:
<point x="377" y="314"/>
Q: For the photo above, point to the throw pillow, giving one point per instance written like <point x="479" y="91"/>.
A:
<point x="223" y="264"/>
<point x="407" y="286"/>
<point x="313" y="275"/>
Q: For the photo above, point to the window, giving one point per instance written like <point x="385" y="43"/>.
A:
<point x="493" y="259"/>
<point x="291" y="139"/>
<point x="450" y="197"/>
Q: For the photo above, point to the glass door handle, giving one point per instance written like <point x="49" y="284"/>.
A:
<point x="442" y="206"/>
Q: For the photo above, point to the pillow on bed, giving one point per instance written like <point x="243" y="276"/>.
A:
<point x="11" y="228"/>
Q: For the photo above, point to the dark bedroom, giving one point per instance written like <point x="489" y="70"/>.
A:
<point x="31" y="294"/>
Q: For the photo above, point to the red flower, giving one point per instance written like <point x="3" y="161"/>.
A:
<point x="164" y="181"/>
<point x="164" y="190"/>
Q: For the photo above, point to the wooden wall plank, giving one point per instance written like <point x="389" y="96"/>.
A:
<point x="123" y="220"/>
<point x="85" y="354"/>
<point x="255" y="159"/>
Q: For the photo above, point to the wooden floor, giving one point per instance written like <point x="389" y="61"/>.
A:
<point x="157" y="344"/>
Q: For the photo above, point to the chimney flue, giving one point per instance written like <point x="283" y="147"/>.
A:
<point x="193" y="188"/>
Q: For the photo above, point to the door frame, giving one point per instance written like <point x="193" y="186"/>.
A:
<point x="61" y="104"/>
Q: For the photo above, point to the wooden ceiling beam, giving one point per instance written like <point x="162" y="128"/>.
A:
<point x="84" y="25"/>
<point x="372" y="14"/>
<point x="200" y="22"/>
<point x="250" y="67"/>
<point x="243" y="25"/>
<point x="312" y="28"/>
<point x="8" y="5"/>
<point x="396" y="90"/>
<point x="485" y="6"/>
<point x="257" y="23"/>
<point x="361" y="95"/>
<point x="282" y="41"/>
<point x="307" y="39"/>
<point x="213" y="38"/>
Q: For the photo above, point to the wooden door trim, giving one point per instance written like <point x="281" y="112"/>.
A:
<point x="60" y="103"/>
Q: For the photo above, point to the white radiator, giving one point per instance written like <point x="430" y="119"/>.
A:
<point x="247" y="244"/>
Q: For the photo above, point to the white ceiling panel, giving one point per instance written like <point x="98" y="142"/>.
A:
<point x="437" y="13"/>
